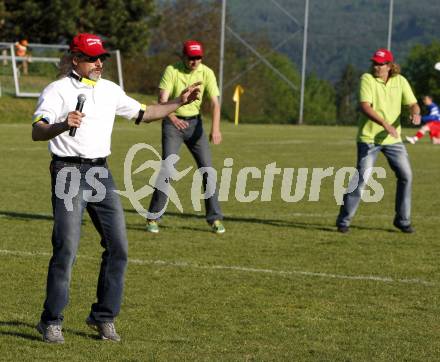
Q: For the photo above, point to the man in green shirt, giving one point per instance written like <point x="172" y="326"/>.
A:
<point x="185" y="126"/>
<point x="382" y="94"/>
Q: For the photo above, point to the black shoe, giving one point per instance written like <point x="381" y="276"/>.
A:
<point x="404" y="229"/>
<point x="343" y="229"/>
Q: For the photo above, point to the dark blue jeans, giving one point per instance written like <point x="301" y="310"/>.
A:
<point x="88" y="188"/>
<point x="398" y="159"/>
<point x="195" y="139"/>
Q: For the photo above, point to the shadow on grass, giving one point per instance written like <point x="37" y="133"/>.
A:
<point x="242" y="219"/>
<point x="24" y="216"/>
<point x="369" y="228"/>
<point x="141" y="227"/>
<point x="29" y="336"/>
<point x="28" y="216"/>
<point x="36" y="336"/>
<point x="253" y="220"/>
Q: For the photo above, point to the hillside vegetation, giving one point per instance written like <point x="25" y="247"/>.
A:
<point x="340" y="31"/>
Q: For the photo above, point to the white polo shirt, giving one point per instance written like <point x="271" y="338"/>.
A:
<point x="104" y="100"/>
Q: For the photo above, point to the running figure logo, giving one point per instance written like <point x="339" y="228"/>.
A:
<point x="164" y="171"/>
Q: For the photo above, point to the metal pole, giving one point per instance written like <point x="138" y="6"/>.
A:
<point x="390" y="24"/>
<point x="119" y="65"/>
<point x="304" y="60"/>
<point x="15" y="70"/>
<point x="222" y="49"/>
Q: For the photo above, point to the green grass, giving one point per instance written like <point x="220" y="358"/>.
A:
<point x="182" y="302"/>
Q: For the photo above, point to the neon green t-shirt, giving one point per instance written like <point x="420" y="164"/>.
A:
<point x="387" y="100"/>
<point x="177" y="77"/>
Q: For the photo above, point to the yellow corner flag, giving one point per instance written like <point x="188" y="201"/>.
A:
<point x="236" y="98"/>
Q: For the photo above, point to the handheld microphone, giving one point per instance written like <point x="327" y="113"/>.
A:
<point x="79" y="107"/>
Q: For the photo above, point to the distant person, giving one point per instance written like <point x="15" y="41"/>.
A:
<point x="77" y="161"/>
<point x="383" y="91"/>
<point x="21" y="50"/>
<point x="185" y="126"/>
<point x="431" y="123"/>
<point x="4" y="52"/>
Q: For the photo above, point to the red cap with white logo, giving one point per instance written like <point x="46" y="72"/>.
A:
<point x="193" y="48"/>
<point x="88" y="44"/>
<point x="382" y="56"/>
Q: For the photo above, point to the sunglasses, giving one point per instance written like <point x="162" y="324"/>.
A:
<point x="380" y="64"/>
<point x="195" y="58"/>
<point x="88" y="59"/>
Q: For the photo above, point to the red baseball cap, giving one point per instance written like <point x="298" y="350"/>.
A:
<point x="193" y="48"/>
<point x="382" y="56"/>
<point x="88" y="44"/>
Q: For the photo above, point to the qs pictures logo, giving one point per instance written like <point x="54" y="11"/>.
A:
<point x="205" y="178"/>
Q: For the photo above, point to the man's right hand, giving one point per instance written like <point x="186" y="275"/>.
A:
<point x="74" y="119"/>
<point x="180" y="124"/>
<point x="392" y="131"/>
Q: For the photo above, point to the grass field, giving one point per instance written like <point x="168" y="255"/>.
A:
<point x="281" y="284"/>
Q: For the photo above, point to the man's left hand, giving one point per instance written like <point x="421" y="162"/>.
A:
<point x="215" y="137"/>
<point x="416" y="119"/>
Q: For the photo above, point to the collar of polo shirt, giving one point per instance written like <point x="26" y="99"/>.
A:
<point x="86" y="81"/>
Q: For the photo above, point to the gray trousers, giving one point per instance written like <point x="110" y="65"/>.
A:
<point x="195" y="139"/>
<point x="398" y="159"/>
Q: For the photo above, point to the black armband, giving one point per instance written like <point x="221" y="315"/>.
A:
<point x="38" y="119"/>
<point x="141" y="114"/>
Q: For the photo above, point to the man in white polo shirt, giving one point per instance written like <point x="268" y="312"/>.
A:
<point x="81" y="180"/>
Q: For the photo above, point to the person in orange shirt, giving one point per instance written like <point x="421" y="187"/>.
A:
<point x="21" y="51"/>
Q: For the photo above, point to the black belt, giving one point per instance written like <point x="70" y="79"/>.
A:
<point x="80" y="160"/>
<point x="197" y="116"/>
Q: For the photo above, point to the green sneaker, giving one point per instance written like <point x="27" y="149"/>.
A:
<point x="152" y="226"/>
<point x="217" y="227"/>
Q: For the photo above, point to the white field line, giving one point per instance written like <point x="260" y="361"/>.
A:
<point x="27" y="149"/>
<point x="299" y="142"/>
<point x="241" y="269"/>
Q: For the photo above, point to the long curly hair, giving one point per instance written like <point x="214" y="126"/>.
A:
<point x="395" y="69"/>
<point x="66" y="64"/>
